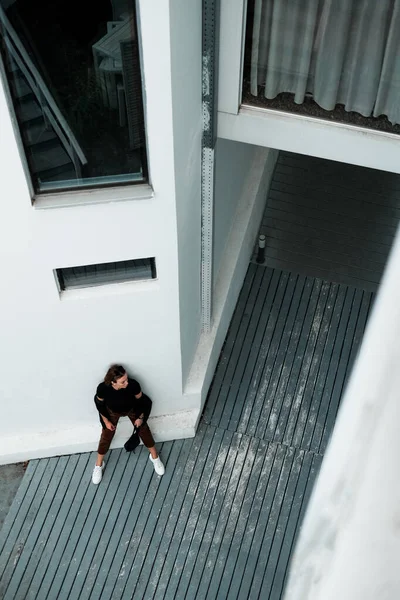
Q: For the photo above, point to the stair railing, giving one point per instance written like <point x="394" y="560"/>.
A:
<point x="51" y="112"/>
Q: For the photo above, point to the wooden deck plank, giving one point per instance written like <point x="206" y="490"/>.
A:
<point x="350" y="350"/>
<point x="208" y="584"/>
<point x="147" y="493"/>
<point x="41" y="529"/>
<point x="119" y="535"/>
<point x="251" y="345"/>
<point x="203" y="534"/>
<point x="238" y="357"/>
<point x="307" y="361"/>
<point x="274" y="397"/>
<point x="157" y="538"/>
<point x="235" y="520"/>
<point x="229" y="344"/>
<point x="104" y="525"/>
<point x="272" y="368"/>
<point x="256" y="324"/>
<point x="292" y="360"/>
<point x="19" y="500"/>
<point x="146" y="526"/>
<point x="294" y="524"/>
<point x="292" y="295"/>
<point x="67" y="567"/>
<point x="226" y="455"/>
<point x="205" y="513"/>
<point x="194" y="472"/>
<point x="244" y="523"/>
<point x="318" y="367"/>
<point x="53" y="552"/>
<point x="18" y="534"/>
<point x="259" y="352"/>
<point x="310" y="420"/>
<point x="159" y="566"/>
<point x="268" y="349"/>
<point x="60" y="530"/>
<point x="250" y="415"/>
<point x="274" y="494"/>
<point x="235" y="348"/>
<point x="278" y="519"/>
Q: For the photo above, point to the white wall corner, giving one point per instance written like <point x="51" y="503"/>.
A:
<point x="234" y="264"/>
<point x="85" y="438"/>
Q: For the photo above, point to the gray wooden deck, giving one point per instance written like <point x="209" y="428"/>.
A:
<point x="222" y="521"/>
<point x="331" y="220"/>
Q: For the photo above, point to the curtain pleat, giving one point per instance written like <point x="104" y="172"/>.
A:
<point x="341" y="51"/>
<point x="388" y="95"/>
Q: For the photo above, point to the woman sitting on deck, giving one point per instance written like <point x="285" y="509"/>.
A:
<point x="119" y="396"/>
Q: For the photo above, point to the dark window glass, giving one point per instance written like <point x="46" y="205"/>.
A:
<point x="73" y="70"/>
<point x="106" y="273"/>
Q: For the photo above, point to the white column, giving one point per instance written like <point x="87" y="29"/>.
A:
<point x="349" y="547"/>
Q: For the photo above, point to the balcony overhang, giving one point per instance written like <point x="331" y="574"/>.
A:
<point x="312" y="136"/>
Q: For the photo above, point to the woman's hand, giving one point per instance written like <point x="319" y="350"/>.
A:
<point x="138" y="422"/>
<point x="108" y="424"/>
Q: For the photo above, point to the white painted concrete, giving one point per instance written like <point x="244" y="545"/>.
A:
<point x="233" y="267"/>
<point x="186" y="39"/>
<point x="54" y="352"/>
<point x="315" y="137"/>
<point x="234" y="161"/>
<point x="85" y="437"/>
<point x="349" y="544"/>
<point x="231" y="45"/>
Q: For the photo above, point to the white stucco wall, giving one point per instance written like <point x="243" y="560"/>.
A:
<point x="54" y="352"/>
<point x="234" y="161"/>
<point x="186" y="31"/>
<point x="250" y="197"/>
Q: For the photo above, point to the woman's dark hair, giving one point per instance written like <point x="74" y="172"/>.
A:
<point x="114" y="372"/>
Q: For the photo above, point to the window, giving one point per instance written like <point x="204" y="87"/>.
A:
<point x="106" y="273"/>
<point x="73" y="72"/>
<point x="325" y="59"/>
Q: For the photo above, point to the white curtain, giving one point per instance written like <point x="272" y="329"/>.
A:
<point x="341" y="51"/>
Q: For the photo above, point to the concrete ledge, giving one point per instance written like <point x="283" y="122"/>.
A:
<point x="44" y="444"/>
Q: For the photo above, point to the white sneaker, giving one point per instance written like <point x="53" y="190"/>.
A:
<point x="97" y="474"/>
<point x="157" y="464"/>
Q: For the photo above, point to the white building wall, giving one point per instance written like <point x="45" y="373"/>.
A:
<point x="54" y="351"/>
<point x="234" y="248"/>
<point x="186" y="49"/>
<point x="234" y="161"/>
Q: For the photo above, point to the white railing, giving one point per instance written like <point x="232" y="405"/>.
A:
<point x="50" y="110"/>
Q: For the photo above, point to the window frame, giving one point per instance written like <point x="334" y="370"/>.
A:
<point x="85" y="194"/>
<point x="60" y="276"/>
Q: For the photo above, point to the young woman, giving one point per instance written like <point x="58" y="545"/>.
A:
<point x="119" y="396"/>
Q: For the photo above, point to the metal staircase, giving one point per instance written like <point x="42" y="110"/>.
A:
<point x="52" y="150"/>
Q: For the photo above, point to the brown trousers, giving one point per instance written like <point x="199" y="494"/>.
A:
<point x="107" y="435"/>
